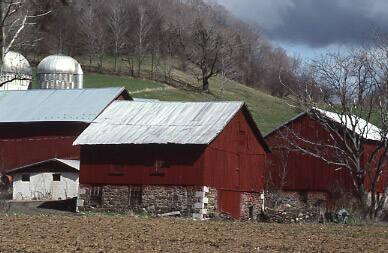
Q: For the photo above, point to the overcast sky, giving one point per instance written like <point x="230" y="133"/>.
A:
<point x="309" y="27"/>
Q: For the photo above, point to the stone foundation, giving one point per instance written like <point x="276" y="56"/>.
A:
<point x="191" y="201"/>
<point x="198" y="202"/>
<point x="252" y="205"/>
<point x="285" y="207"/>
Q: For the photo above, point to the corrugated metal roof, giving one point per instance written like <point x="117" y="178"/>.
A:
<point x="364" y="128"/>
<point x="355" y="123"/>
<point x="159" y="123"/>
<point x="74" y="105"/>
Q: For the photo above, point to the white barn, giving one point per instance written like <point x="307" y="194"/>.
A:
<point x="54" y="179"/>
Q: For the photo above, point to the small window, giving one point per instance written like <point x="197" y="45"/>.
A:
<point x="56" y="177"/>
<point x="26" y="178"/>
<point x="135" y="196"/>
<point x="96" y="191"/>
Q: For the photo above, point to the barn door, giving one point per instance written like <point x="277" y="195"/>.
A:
<point x="229" y="202"/>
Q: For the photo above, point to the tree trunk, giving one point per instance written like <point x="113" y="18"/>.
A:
<point x="205" y="84"/>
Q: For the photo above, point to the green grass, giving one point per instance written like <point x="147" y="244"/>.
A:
<point x="92" y="80"/>
<point x="268" y="112"/>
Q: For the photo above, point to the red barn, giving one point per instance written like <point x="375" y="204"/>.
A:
<point x="294" y="171"/>
<point x="194" y="158"/>
<point x="37" y="125"/>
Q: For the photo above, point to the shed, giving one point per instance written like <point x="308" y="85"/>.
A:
<point x="293" y="171"/>
<point x="198" y="158"/>
<point x="36" y="125"/>
<point x="53" y="179"/>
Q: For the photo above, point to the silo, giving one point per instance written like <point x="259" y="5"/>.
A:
<point x="16" y="72"/>
<point x="60" y="72"/>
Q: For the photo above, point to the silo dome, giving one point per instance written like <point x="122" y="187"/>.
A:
<point x="60" y="72"/>
<point x="15" y="66"/>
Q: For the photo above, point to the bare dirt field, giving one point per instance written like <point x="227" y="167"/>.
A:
<point x="104" y="233"/>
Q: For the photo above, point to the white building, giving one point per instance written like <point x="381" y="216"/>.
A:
<point x="16" y="72"/>
<point x="54" y="179"/>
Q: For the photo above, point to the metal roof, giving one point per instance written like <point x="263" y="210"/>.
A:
<point x="55" y="64"/>
<point x="130" y="122"/>
<point x="355" y="123"/>
<point x="16" y="63"/>
<point x="364" y="128"/>
<point x="73" y="105"/>
<point x="73" y="164"/>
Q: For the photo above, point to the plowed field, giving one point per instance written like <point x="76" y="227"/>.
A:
<point x="103" y="233"/>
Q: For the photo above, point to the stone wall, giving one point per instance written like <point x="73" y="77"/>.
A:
<point x="153" y="199"/>
<point x="252" y="205"/>
<point x="164" y="199"/>
<point x="287" y="207"/>
<point x="198" y="202"/>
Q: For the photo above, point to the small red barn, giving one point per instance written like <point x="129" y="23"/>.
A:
<point x="295" y="171"/>
<point x="37" y="125"/>
<point x="192" y="158"/>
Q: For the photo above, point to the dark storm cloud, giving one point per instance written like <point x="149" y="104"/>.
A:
<point x="316" y="23"/>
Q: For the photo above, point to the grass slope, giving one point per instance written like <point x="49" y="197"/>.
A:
<point x="268" y="111"/>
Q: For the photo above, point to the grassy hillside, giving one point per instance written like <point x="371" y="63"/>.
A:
<point x="268" y="111"/>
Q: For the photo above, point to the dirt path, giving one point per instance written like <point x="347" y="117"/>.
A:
<point x="126" y="234"/>
<point x="151" y="90"/>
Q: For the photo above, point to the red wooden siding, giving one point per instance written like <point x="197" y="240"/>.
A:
<point x="136" y="164"/>
<point x="229" y="202"/>
<point x="26" y="143"/>
<point x="304" y="172"/>
<point x="235" y="160"/>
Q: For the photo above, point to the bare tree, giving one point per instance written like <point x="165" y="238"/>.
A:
<point x="354" y="93"/>
<point x="15" y="17"/>
<point x="144" y="26"/>
<point x="202" y="47"/>
<point x="92" y="30"/>
<point x="117" y="19"/>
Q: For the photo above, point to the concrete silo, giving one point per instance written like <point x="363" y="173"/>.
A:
<point x="16" y="72"/>
<point x="60" y="72"/>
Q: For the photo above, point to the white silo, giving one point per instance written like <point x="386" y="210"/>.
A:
<point x="16" y="72"/>
<point x="59" y="72"/>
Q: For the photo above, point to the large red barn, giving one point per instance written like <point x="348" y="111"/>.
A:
<point x="192" y="158"/>
<point x="37" y="125"/>
<point x="295" y="171"/>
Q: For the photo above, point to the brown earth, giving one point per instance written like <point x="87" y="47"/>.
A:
<point x="104" y="233"/>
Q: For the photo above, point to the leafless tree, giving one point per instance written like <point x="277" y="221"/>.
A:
<point x="354" y="93"/>
<point x="15" y="17"/>
<point x="117" y="18"/>
<point x="202" y="47"/>
<point x="144" y="27"/>
<point x="92" y="30"/>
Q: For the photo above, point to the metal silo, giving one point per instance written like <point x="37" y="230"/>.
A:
<point x="60" y="72"/>
<point x="16" y="72"/>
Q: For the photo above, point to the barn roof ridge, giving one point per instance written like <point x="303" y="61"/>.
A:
<point x="160" y="123"/>
<point x="374" y="135"/>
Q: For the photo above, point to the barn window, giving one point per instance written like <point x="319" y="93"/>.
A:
<point x="56" y="177"/>
<point x="96" y="191"/>
<point x="135" y="196"/>
<point x="157" y="166"/>
<point x="26" y="178"/>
